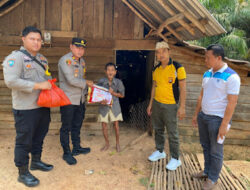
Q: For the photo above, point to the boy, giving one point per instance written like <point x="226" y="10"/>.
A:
<point x="117" y="90"/>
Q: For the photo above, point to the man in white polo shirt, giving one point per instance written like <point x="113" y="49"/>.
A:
<point x="214" y="110"/>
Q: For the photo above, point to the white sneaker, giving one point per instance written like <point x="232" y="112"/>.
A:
<point x="157" y="156"/>
<point x="173" y="164"/>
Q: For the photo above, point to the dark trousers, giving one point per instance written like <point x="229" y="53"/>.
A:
<point x="213" y="152"/>
<point x="31" y="129"/>
<point x="165" y="115"/>
<point x="72" y="117"/>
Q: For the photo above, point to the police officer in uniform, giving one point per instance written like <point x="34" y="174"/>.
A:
<point x="26" y="74"/>
<point x="72" y="81"/>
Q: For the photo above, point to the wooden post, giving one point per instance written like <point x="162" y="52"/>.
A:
<point x="66" y="22"/>
<point x="42" y="15"/>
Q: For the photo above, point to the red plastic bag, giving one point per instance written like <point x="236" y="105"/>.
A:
<point x="55" y="97"/>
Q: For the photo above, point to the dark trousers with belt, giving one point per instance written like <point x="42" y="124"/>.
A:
<point x="31" y="129"/>
<point x="72" y="117"/>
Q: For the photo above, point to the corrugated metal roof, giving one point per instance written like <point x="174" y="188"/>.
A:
<point x="184" y="19"/>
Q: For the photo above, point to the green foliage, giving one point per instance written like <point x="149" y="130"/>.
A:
<point x="234" y="16"/>
<point x="144" y="181"/>
<point x="235" y="44"/>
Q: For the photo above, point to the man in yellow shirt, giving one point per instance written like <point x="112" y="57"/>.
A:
<point x="168" y="85"/>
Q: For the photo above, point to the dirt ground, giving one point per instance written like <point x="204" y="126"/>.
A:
<point x="128" y="170"/>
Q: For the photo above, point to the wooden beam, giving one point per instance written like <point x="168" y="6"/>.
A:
<point x="135" y="44"/>
<point x="149" y="10"/>
<point x="42" y="15"/>
<point x="165" y="25"/>
<point x="202" y="21"/>
<point x="154" y="14"/>
<point x="63" y="34"/>
<point x="149" y="33"/>
<point x="170" y="20"/>
<point x="3" y="2"/>
<point x="163" y="37"/>
<point x="138" y="14"/>
<point x="181" y="22"/>
<point x="66" y="22"/>
<point x="174" y="33"/>
<point x="188" y="15"/>
<point x="7" y="10"/>
<point x="155" y="33"/>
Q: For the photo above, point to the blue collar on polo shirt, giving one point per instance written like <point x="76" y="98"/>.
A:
<point x="221" y="70"/>
<point x="224" y="73"/>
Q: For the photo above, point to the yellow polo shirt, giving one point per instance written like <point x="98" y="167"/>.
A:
<point x="167" y="90"/>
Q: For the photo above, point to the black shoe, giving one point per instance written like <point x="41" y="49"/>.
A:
<point x="37" y="164"/>
<point x="40" y="166"/>
<point x="80" y="150"/>
<point x="69" y="158"/>
<point x="26" y="177"/>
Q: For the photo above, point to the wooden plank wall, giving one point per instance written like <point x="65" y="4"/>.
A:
<point x="101" y="51"/>
<point x="105" y="23"/>
<point x="97" y="55"/>
<point x="194" y="65"/>
<point x="92" y="19"/>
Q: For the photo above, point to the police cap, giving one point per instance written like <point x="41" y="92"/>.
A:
<point x="79" y="42"/>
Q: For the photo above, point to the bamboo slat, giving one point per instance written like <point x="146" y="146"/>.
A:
<point x="180" y="179"/>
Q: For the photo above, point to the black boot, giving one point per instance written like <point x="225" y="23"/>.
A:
<point x="79" y="150"/>
<point x="26" y="177"/>
<point x="37" y="164"/>
<point x="68" y="157"/>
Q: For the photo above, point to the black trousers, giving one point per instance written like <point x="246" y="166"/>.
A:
<point x="31" y="129"/>
<point x="72" y="117"/>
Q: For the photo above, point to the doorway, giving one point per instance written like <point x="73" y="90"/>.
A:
<point x="134" y="68"/>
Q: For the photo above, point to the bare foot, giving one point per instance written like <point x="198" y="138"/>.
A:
<point x="106" y="147"/>
<point x="118" y="149"/>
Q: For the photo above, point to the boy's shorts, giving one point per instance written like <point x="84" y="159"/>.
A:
<point x="109" y="117"/>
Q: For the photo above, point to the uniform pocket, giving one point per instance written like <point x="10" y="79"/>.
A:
<point x="29" y="71"/>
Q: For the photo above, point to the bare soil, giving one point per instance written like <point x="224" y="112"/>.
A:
<point x="128" y="170"/>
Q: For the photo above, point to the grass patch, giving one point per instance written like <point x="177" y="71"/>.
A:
<point x="144" y="181"/>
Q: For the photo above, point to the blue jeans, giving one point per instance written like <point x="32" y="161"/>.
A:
<point x="213" y="152"/>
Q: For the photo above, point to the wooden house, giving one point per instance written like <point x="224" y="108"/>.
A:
<point x="116" y="29"/>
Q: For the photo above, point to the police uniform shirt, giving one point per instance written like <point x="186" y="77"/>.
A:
<point x="72" y="78"/>
<point x="167" y="89"/>
<point x="20" y="75"/>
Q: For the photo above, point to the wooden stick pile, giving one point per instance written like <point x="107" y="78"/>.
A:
<point x="180" y="179"/>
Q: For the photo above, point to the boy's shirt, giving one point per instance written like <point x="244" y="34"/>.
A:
<point x="118" y="87"/>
